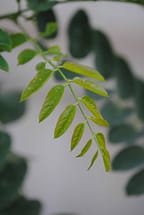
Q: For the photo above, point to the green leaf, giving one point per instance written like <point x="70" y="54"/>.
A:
<point x="36" y="83"/>
<point x="3" y="64"/>
<point x="99" y="121"/>
<point x="124" y="133"/>
<point x="128" y="158"/>
<point x="26" y="55"/>
<point x="83" y="70"/>
<point x="85" y="149"/>
<point x="10" y="107"/>
<point x="91" y="86"/>
<point x="93" y="160"/>
<point x="22" y="206"/>
<point x="51" y="101"/>
<point x="90" y="105"/>
<point x="11" y="178"/>
<point x="51" y="29"/>
<point x="55" y="50"/>
<point x="135" y="185"/>
<point x="115" y="114"/>
<point x="65" y="120"/>
<point x="5" y="41"/>
<point x="5" y="144"/>
<point x="77" y="135"/>
<point x="18" y="39"/>
<point x="105" y="154"/>
<point x="38" y="5"/>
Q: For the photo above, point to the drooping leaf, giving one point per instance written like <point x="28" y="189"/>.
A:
<point x="5" y="144"/>
<point x="26" y="55"/>
<point x="80" y="35"/>
<point x="3" y="64"/>
<point x="43" y="5"/>
<point x="37" y="82"/>
<point x="10" y="107"/>
<point x="51" y="101"/>
<point x="18" y="39"/>
<point x="22" y="206"/>
<point x="11" y="178"/>
<point x="135" y="185"/>
<point x="82" y="70"/>
<point x="105" y="154"/>
<point x="93" y="160"/>
<point x="44" y="19"/>
<point x="124" y="133"/>
<point x="65" y="120"/>
<point x="85" y="149"/>
<point x="77" y="135"/>
<point x="99" y="121"/>
<point x="91" y="86"/>
<point x="128" y="158"/>
<point x="5" y="41"/>
<point x="115" y="114"/>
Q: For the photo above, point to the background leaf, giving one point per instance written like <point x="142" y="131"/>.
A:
<point x="3" y="64"/>
<point x="5" y="144"/>
<point x="5" y="41"/>
<point x="41" y="5"/>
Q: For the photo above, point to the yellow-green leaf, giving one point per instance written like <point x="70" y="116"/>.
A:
<point x="36" y="83"/>
<point x="3" y="64"/>
<point x="26" y="55"/>
<point x="93" y="160"/>
<point x="77" y="135"/>
<point x="65" y="120"/>
<point x="54" y="50"/>
<point x="91" y="86"/>
<point x="99" y="121"/>
<point x="51" y="101"/>
<point x="83" y="70"/>
<point x="105" y="154"/>
<point x="85" y="149"/>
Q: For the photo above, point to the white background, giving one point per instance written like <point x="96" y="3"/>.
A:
<point x="55" y="176"/>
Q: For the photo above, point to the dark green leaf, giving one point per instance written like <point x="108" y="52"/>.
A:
<point x="10" y="107"/>
<point x="5" y="143"/>
<point x="77" y="135"/>
<point x="85" y="149"/>
<point x="65" y="120"/>
<point x="42" y="5"/>
<point x="123" y="133"/>
<point x="18" y="39"/>
<point x="3" y="64"/>
<point x="5" y="41"/>
<point x="37" y="82"/>
<point x="26" y="55"/>
<point x="93" y="160"/>
<point x="51" y="101"/>
<point x="91" y="86"/>
<point x="82" y="70"/>
<point x="135" y="184"/>
<point x="11" y="178"/>
<point x="23" y="206"/>
<point x="114" y="114"/>
<point x="128" y="158"/>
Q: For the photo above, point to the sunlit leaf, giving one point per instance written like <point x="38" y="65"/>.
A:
<point x="36" y="83"/>
<point x="5" y="41"/>
<point x="90" y="85"/>
<point x="3" y="64"/>
<point x="65" y="120"/>
<point x="128" y="158"/>
<point x="77" y="135"/>
<point x="85" y="149"/>
<point x="83" y="70"/>
<point x="26" y="55"/>
<point x="99" y="121"/>
<point x="91" y="105"/>
<point x="18" y="39"/>
<point x="135" y="185"/>
<point x="93" y="160"/>
<point x="51" y="101"/>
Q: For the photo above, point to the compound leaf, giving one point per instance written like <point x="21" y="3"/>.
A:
<point x="83" y="70"/>
<point x="3" y="64"/>
<point x="65" y="120"/>
<point x="51" y="101"/>
<point x="26" y="55"/>
<point x="77" y="135"/>
<point x="91" y="86"/>
<point x="85" y="149"/>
